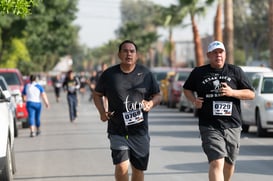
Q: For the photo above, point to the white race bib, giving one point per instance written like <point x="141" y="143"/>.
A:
<point x="222" y="108"/>
<point x="132" y="117"/>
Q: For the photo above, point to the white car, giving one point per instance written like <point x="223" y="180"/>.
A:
<point x="259" y="111"/>
<point x="184" y="105"/>
<point x="7" y="159"/>
<point x="251" y="70"/>
<point x="5" y="87"/>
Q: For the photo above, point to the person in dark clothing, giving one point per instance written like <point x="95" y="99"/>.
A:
<point x="57" y="84"/>
<point x="83" y="83"/>
<point x="104" y="66"/>
<point x="92" y="84"/>
<point x="71" y="85"/>
<point x="132" y="92"/>
<point x="219" y="87"/>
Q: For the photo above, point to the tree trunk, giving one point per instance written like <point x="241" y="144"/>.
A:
<point x="171" y="48"/>
<point x="270" y="14"/>
<point x="197" y="43"/>
<point x="228" y="30"/>
<point x="218" y="34"/>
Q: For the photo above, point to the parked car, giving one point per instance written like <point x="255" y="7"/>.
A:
<point x="7" y="157"/>
<point x="4" y="86"/>
<point x="251" y="70"/>
<point x="160" y="73"/>
<point x="259" y="112"/>
<point x="184" y="105"/>
<point x="15" y="82"/>
<point x="163" y="75"/>
<point x="175" y="86"/>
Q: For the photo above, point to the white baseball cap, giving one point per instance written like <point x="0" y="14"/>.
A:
<point x="214" y="45"/>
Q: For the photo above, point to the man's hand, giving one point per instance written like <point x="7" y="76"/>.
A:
<point x="147" y="105"/>
<point x="226" y="90"/>
<point x="105" y="117"/>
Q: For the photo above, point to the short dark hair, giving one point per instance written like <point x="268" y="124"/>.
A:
<point x="126" y="41"/>
<point x="32" y="78"/>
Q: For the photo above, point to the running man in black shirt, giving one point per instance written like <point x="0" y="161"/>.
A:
<point x="219" y="87"/>
<point x="132" y="92"/>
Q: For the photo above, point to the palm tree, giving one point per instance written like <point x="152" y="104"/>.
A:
<point x="229" y="30"/>
<point x="193" y="9"/>
<point x="218" y="33"/>
<point x="170" y="17"/>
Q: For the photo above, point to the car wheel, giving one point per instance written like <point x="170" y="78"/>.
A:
<point x="181" y="108"/>
<point x="25" y="124"/>
<point x="7" y="172"/>
<point x="245" y="128"/>
<point x="261" y="132"/>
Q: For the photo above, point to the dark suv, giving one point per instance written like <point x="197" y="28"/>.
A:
<point x="15" y="82"/>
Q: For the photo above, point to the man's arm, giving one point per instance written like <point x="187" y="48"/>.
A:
<point x="98" y="100"/>
<point x="243" y="94"/>
<point x="196" y="101"/>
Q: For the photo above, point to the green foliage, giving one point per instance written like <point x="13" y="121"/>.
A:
<point x="17" y="7"/>
<point x="140" y="28"/>
<point x="48" y="31"/>
<point x="251" y="28"/>
<point x="16" y="53"/>
<point x="239" y="57"/>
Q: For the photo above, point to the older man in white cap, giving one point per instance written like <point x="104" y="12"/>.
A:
<point x="219" y="87"/>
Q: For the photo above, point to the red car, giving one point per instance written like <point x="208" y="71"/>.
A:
<point x="15" y="82"/>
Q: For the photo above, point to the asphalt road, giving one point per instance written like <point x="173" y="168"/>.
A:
<point x="80" y="151"/>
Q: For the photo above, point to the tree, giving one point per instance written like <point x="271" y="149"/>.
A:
<point x="18" y="7"/>
<point x="48" y="32"/>
<point x="17" y="53"/>
<point x="170" y="17"/>
<point x="138" y="28"/>
<point x="251" y="28"/>
<point x="194" y="8"/>
<point x="218" y="32"/>
<point x="229" y="30"/>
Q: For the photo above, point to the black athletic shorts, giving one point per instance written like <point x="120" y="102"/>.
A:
<point x="135" y="148"/>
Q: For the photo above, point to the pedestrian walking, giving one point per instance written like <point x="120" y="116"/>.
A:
<point x="71" y="86"/>
<point x="219" y="87"/>
<point x="57" y="84"/>
<point x="132" y="92"/>
<point x="92" y="84"/>
<point x="104" y="66"/>
<point x="32" y="94"/>
<point x="83" y="83"/>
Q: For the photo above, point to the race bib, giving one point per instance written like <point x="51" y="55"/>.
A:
<point x="222" y="108"/>
<point x="132" y="117"/>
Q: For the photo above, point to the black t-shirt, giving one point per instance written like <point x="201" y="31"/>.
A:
<point x="125" y="93"/>
<point x="71" y="85"/>
<point x="218" y="111"/>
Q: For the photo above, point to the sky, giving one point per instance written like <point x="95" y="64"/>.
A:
<point x="98" y="21"/>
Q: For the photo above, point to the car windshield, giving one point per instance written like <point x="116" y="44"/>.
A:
<point x="11" y="78"/>
<point x="160" y="75"/>
<point x="2" y="85"/>
<point x="183" y="76"/>
<point x="267" y="87"/>
<point x="250" y="75"/>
